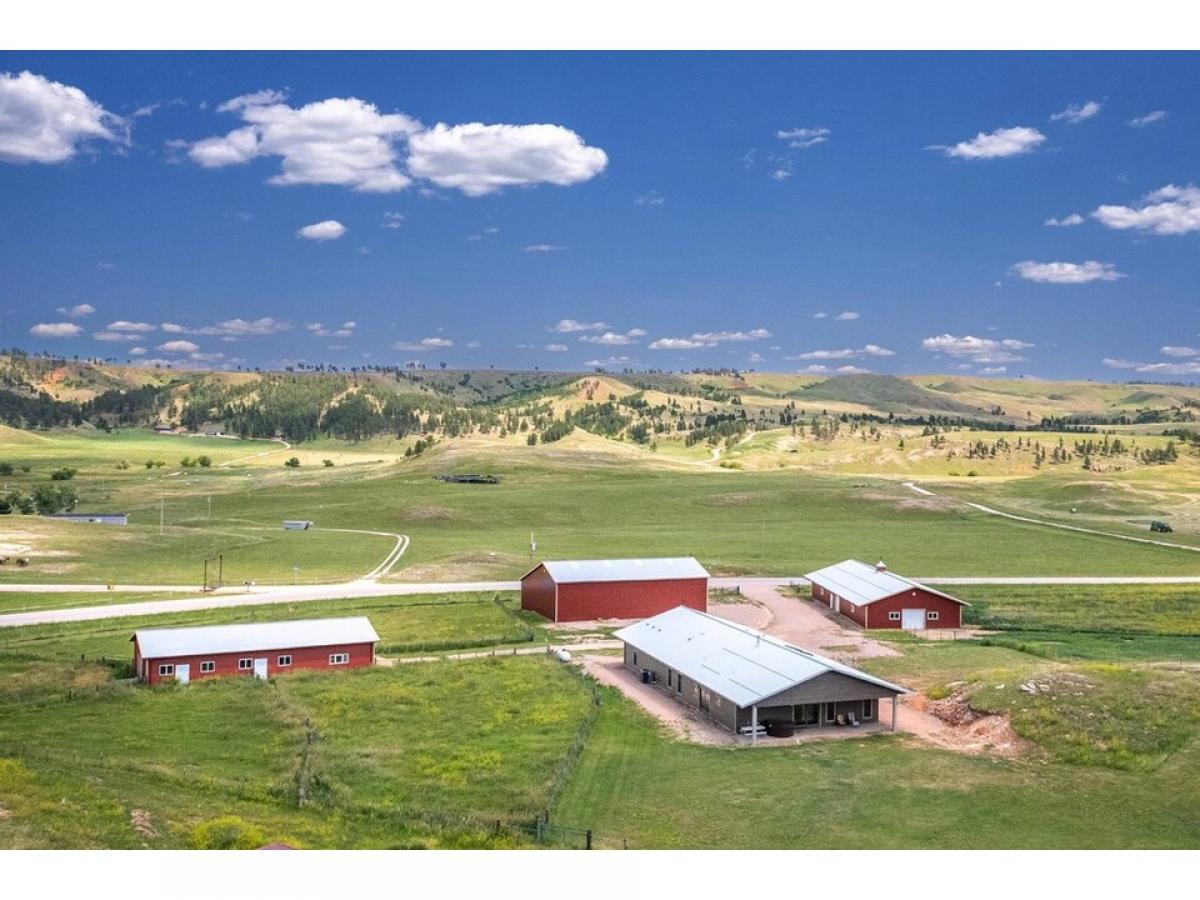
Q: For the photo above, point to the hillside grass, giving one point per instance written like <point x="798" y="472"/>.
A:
<point x="1144" y="609"/>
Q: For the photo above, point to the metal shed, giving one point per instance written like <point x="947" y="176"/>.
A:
<point x="585" y="589"/>
<point x="875" y="597"/>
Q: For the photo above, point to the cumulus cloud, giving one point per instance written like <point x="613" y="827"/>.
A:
<point x="43" y="121"/>
<point x="392" y="220"/>
<point x="329" y="230"/>
<point x="346" y="329"/>
<point x="232" y="329"/>
<point x="1179" y="351"/>
<point x="995" y="145"/>
<point x="1066" y="221"/>
<point x="720" y="337"/>
<point x="124" y="325"/>
<point x="678" y="344"/>
<point x="137" y="351"/>
<point x="429" y="343"/>
<point x="847" y="316"/>
<point x="567" y="326"/>
<point x="78" y="311"/>
<point x="803" y="138"/>
<point x="55" y="330"/>
<point x="1169" y="210"/>
<point x="612" y="338"/>
<point x="480" y="159"/>
<point x="339" y="141"/>
<point x="178" y="347"/>
<point x="1077" y="112"/>
<point x="1188" y="367"/>
<point x="1066" y="272"/>
<point x="608" y="361"/>
<point x="114" y="336"/>
<point x="993" y="370"/>
<point x="821" y="315"/>
<point x="977" y="349"/>
<point x="819" y="369"/>
<point x="1148" y="119"/>
<point x="846" y="353"/>
<point x="556" y="348"/>
<point x="542" y="248"/>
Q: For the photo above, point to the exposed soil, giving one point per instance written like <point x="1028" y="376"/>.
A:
<point x="142" y="823"/>
<point x="953" y="724"/>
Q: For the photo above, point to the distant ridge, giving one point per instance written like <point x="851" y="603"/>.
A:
<point x="885" y="392"/>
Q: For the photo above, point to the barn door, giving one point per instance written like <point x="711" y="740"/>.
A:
<point x="260" y="668"/>
<point x="912" y="619"/>
<point x="183" y="673"/>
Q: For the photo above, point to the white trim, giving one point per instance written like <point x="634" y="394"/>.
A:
<point x="894" y="616"/>
<point x="246" y="664"/>
<point x="165" y="669"/>
<point x="280" y="661"/>
<point x="208" y="665"/>
<point x="931" y="615"/>
<point x="339" y="659"/>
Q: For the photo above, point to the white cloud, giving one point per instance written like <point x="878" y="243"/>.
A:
<point x="803" y="138"/>
<point x="976" y="349"/>
<point x="848" y="316"/>
<point x="993" y="370"/>
<point x="821" y="315"/>
<point x="719" y="337"/>
<point x="1179" y="351"/>
<point x="610" y="338"/>
<point x="78" y="311"/>
<point x="178" y="347"/>
<point x="339" y="141"/>
<point x="814" y="369"/>
<point x="393" y="220"/>
<point x="567" y="326"/>
<point x="173" y="328"/>
<point x="55" y="330"/>
<point x="346" y="330"/>
<point x="329" y="230"/>
<point x="608" y="361"/>
<point x="429" y="343"/>
<point x="755" y="358"/>
<point x="103" y="264"/>
<point x="654" y="198"/>
<point x="480" y="159"/>
<point x="846" y="353"/>
<point x="556" y="348"/>
<point x="44" y="121"/>
<point x="1077" y="112"/>
<point x="995" y="145"/>
<point x="1169" y="210"/>
<point x="113" y="336"/>
<point x="473" y="345"/>
<point x="1191" y="367"/>
<point x="1066" y="272"/>
<point x="1066" y="221"/>
<point x="542" y="248"/>
<point x="123" y="325"/>
<point x="231" y="329"/>
<point x="1148" y="119"/>
<point x="678" y="344"/>
<point x="206" y="357"/>
<point x="137" y="351"/>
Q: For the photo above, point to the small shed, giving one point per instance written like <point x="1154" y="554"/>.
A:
<point x="93" y="518"/>
<point x="261" y="649"/>
<point x="742" y="678"/>
<point x="297" y="524"/>
<point x="874" y="597"/>
<point x="585" y="589"/>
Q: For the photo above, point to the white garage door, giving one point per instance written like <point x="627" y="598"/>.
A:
<point x="912" y="619"/>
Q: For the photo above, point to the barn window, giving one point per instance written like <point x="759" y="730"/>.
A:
<point x="932" y="615"/>
<point x="635" y="657"/>
<point x="209" y="666"/>
<point x="339" y="659"/>
<point x="285" y="660"/>
<point x="894" y="617"/>
<point x="679" y="684"/>
<point x="166" y="669"/>
<point x="868" y="709"/>
<point x="245" y="664"/>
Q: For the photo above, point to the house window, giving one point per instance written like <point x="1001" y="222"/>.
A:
<point x="670" y="678"/>
<point x="679" y="684"/>
<point x="635" y="657"/>
<point x="245" y="665"/>
<point x="339" y="659"/>
<point x="932" y="615"/>
<point x="209" y="666"/>
<point x="830" y="712"/>
<point x="166" y="669"/>
<point x="868" y="709"/>
<point x="894" y="616"/>
<point x="285" y="660"/>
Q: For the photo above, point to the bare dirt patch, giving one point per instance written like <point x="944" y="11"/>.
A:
<point x="143" y="823"/>
<point x="480" y="565"/>
<point x="953" y="724"/>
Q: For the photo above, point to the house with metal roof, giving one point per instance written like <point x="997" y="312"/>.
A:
<point x="744" y="679"/>
<point x="261" y="649"/>
<point x="576" y="590"/>
<point x="92" y="518"/>
<point x="875" y="597"/>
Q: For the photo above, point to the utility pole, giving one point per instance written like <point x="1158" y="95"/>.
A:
<point x="161" y="513"/>
<point x="210" y="506"/>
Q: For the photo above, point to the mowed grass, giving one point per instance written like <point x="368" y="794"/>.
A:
<point x="30" y="601"/>
<point x="633" y="783"/>
<point x="382" y="756"/>
<point x="1163" y="609"/>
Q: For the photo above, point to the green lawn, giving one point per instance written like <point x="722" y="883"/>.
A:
<point x="1165" y="609"/>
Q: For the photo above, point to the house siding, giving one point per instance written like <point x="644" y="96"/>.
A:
<point x="629" y="599"/>
<point x="227" y="663"/>
<point x="720" y="709"/>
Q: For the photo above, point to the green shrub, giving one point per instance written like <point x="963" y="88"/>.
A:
<point x="204" y="461"/>
<point x="63" y="473"/>
<point x="227" y="833"/>
<point x="293" y="463"/>
<point x="6" y="468"/>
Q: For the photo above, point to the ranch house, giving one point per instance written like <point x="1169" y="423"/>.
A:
<point x="747" y="681"/>
<point x="260" y="649"/>
<point x="874" y="597"/>
<point x="581" y="590"/>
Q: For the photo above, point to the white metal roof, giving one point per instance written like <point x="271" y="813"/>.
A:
<point x="156" y="643"/>
<point x="736" y="662"/>
<point x="863" y="584"/>
<point x="567" y="571"/>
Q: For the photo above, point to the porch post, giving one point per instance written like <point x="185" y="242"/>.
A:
<point x="893" y="712"/>
<point x="754" y="725"/>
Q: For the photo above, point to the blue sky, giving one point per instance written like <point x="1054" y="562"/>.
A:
<point x="816" y="212"/>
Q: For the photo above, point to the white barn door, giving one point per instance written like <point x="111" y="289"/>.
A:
<point x="183" y="673"/>
<point x="912" y="619"/>
<point x="260" y="668"/>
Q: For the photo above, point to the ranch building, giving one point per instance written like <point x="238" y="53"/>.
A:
<point x="874" y="597"/>
<point x="261" y="649"/>
<point x="744" y="679"/>
<point x="113" y="518"/>
<point x="585" y="589"/>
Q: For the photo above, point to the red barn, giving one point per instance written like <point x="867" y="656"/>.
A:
<point x="584" y="589"/>
<point x="261" y="649"/>
<point x="876" y="598"/>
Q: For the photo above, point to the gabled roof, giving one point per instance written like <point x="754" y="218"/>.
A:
<point x="863" y="584"/>
<point x="156" y="643"/>
<point x="736" y="662"/>
<point x="568" y="571"/>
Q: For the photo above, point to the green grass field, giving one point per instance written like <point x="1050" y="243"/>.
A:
<point x="1160" y="609"/>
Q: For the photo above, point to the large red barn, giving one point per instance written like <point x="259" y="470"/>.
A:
<point x="261" y="649"/>
<point x="585" y="589"/>
<point x="873" y="597"/>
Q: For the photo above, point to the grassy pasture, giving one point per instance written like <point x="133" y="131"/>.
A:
<point x="1162" y="609"/>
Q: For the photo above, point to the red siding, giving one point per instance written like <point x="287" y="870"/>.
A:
<point x="629" y="599"/>
<point x="537" y="592"/>
<point x="875" y="615"/>
<point x="227" y="663"/>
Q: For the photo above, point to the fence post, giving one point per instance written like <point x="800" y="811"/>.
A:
<point x="589" y="839"/>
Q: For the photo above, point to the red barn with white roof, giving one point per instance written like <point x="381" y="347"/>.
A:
<point x="874" y="597"/>
<point x="585" y="589"/>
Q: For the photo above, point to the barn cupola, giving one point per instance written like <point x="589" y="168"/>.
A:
<point x="881" y="566"/>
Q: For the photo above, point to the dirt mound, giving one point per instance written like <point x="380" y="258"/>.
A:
<point x="971" y="730"/>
